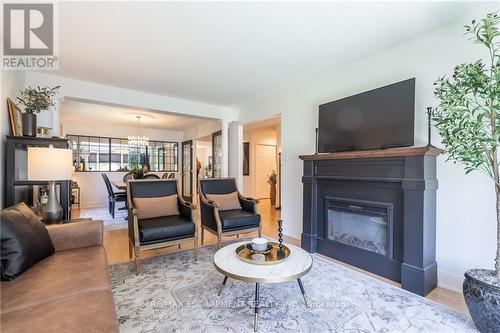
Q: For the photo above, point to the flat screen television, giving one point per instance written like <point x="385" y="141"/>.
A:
<point x="379" y="118"/>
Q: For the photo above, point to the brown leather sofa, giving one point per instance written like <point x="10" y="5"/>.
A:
<point x="69" y="291"/>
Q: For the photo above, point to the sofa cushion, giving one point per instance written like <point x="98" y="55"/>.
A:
<point x="24" y="240"/>
<point x="238" y="219"/>
<point x="61" y="275"/>
<point x="156" y="206"/>
<point x="91" y="311"/>
<point x="164" y="228"/>
<point x="226" y="201"/>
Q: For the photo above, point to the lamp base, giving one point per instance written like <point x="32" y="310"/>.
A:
<point x="52" y="211"/>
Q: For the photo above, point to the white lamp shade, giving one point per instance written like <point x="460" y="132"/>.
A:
<point x="46" y="164"/>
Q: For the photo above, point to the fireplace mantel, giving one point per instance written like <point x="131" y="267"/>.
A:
<point x="403" y="179"/>
<point x="374" y="153"/>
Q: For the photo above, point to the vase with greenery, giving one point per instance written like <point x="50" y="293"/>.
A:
<point x="271" y="180"/>
<point x="137" y="171"/>
<point x="468" y="120"/>
<point x="33" y="101"/>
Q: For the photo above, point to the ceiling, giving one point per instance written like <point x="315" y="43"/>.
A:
<point x="269" y="123"/>
<point x="84" y="112"/>
<point x="228" y="52"/>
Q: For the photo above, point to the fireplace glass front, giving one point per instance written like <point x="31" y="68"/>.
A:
<point x="360" y="224"/>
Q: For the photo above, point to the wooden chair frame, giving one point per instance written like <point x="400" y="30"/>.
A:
<point x="215" y="206"/>
<point x="135" y="244"/>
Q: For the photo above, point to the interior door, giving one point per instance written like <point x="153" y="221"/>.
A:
<point x="217" y="154"/>
<point x="187" y="170"/>
<point x="265" y="163"/>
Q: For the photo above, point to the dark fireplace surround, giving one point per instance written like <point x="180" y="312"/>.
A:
<point x="375" y="210"/>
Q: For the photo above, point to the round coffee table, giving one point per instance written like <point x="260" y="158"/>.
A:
<point x="294" y="267"/>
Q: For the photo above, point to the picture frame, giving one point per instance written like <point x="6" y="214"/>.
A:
<point x="246" y="158"/>
<point x="15" y="118"/>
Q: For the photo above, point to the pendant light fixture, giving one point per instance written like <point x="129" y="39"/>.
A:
<point x="138" y="140"/>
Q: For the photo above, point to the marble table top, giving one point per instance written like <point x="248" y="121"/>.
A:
<point x="295" y="266"/>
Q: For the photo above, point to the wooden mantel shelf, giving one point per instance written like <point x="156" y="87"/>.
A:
<point x="375" y="153"/>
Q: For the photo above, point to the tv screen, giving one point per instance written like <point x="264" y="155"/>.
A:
<point x="379" y="118"/>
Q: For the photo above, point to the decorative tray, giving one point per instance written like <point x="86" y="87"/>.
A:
<point x="270" y="257"/>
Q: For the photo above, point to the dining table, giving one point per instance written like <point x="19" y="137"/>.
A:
<point x="120" y="185"/>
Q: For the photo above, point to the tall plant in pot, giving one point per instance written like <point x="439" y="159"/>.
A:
<point x="35" y="100"/>
<point x="468" y="120"/>
<point x="272" y="180"/>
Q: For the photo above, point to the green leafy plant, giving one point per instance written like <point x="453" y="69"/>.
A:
<point x="468" y="114"/>
<point x="272" y="178"/>
<point x="35" y="100"/>
<point x="136" y="169"/>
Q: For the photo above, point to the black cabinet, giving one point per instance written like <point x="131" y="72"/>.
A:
<point x="17" y="186"/>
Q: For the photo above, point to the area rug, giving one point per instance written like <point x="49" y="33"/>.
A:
<point x="175" y="294"/>
<point x="103" y="214"/>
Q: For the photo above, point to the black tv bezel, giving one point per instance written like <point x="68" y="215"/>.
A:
<point x="371" y="148"/>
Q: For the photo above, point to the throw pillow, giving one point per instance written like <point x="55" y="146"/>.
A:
<point x="24" y="240"/>
<point x="226" y="201"/>
<point x="157" y="206"/>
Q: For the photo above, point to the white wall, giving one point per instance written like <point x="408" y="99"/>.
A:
<point x="119" y="96"/>
<point x="11" y="83"/>
<point x="465" y="208"/>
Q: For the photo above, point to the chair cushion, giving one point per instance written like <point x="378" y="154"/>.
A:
<point x="165" y="228"/>
<point x="226" y="201"/>
<point x="156" y="206"/>
<point x="24" y="240"/>
<point x="238" y="219"/>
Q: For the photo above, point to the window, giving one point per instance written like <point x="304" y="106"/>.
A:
<point x="92" y="153"/>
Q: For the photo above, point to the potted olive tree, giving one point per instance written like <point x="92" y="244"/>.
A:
<point x="35" y="100"/>
<point x="468" y="120"/>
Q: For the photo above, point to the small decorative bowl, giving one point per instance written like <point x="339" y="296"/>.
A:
<point x="259" y="244"/>
<point x="266" y="251"/>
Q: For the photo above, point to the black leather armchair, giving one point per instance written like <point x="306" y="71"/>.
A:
<point x="162" y="231"/>
<point x="226" y="222"/>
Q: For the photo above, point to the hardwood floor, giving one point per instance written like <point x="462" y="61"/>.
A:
<point x="115" y="243"/>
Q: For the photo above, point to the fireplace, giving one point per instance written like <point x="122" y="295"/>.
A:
<point x="374" y="210"/>
<point x="366" y="225"/>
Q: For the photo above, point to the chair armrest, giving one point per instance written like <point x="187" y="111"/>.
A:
<point x="248" y="204"/>
<point x="76" y="235"/>
<point x="186" y="209"/>
<point x="208" y="209"/>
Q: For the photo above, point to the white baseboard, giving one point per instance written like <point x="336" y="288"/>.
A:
<point x="450" y="281"/>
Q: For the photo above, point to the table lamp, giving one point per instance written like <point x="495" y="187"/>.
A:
<point x="50" y="164"/>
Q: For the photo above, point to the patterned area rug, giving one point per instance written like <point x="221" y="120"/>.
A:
<point x="103" y="214"/>
<point x="175" y="294"/>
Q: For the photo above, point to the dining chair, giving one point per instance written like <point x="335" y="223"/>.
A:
<point x="150" y="176"/>
<point x="113" y="197"/>
<point x="158" y="217"/>
<point x="128" y="176"/>
<point x="224" y="211"/>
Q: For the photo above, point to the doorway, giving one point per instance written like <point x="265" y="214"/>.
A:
<point x="262" y="140"/>
<point x="265" y="165"/>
